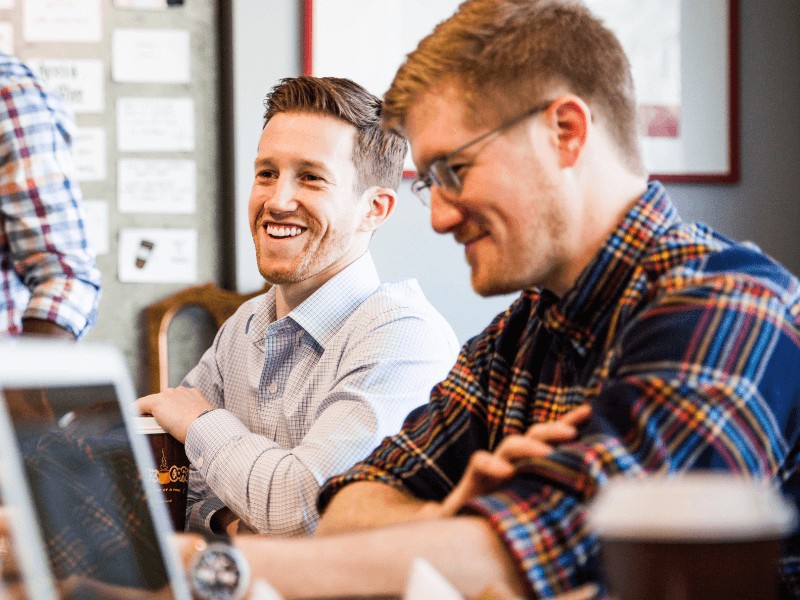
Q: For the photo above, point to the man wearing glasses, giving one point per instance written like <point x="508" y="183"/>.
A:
<point x="639" y="344"/>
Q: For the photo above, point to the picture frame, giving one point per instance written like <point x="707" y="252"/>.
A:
<point x="689" y="124"/>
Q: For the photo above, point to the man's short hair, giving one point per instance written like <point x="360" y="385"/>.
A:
<point x="377" y="155"/>
<point x="505" y="54"/>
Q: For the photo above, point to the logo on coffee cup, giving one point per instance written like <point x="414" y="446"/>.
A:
<point x="166" y="474"/>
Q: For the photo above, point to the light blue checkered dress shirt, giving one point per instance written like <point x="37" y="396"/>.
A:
<point x="307" y="396"/>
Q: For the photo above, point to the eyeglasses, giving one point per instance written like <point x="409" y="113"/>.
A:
<point x="442" y="174"/>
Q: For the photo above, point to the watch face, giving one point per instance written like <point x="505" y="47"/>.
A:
<point x="219" y="573"/>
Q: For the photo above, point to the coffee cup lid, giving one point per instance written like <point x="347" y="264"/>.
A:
<point x="149" y="425"/>
<point x="696" y="506"/>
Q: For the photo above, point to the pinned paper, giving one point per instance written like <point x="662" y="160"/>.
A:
<point x="155" y="124"/>
<point x="6" y="37"/>
<point x="62" y="21"/>
<point x="157" y="255"/>
<point x="78" y="81"/>
<point x="89" y="153"/>
<point x="150" y="56"/>
<point x="141" y="4"/>
<point x="96" y="223"/>
<point x="156" y="186"/>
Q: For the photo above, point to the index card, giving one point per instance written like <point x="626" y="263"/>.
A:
<point x="96" y="223"/>
<point x="141" y="4"/>
<point x="155" y="124"/>
<point x="150" y="56"/>
<point x="157" y="255"/>
<point x="6" y="37"/>
<point x="89" y="153"/>
<point x="78" y="81"/>
<point x="156" y="185"/>
<point x="62" y="21"/>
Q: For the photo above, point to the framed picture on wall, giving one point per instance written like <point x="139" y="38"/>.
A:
<point x="684" y="57"/>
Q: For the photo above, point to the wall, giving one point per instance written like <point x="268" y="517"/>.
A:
<point x="762" y="207"/>
<point x="120" y="315"/>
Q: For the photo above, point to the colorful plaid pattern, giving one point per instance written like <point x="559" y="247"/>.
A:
<point x="685" y="343"/>
<point x="47" y="270"/>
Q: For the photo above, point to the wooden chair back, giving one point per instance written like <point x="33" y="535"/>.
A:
<point x="218" y="303"/>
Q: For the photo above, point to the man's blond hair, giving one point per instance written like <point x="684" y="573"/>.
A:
<point x="504" y="56"/>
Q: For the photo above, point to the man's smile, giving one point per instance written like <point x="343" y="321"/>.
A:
<point x="277" y="230"/>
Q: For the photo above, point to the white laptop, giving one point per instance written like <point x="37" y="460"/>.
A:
<point x="83" y="522"/>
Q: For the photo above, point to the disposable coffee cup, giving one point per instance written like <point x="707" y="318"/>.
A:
<point x="698" y="536"/>
<point x="172" y="469"/>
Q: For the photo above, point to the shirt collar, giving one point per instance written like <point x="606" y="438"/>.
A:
<point x="582" y="312"/>
<point x="324" y="312"/>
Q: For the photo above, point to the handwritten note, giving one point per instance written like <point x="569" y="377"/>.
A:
<point x="62" y="21"/>
<point x="156" y="186"/>
<point x="155" y="124"/>
<point x="78" y="81"/>
<point x="89" y="153"/>
<point x="6" y="37"/>
<point x="96" y="223"/>
<point x="150" y="56"/>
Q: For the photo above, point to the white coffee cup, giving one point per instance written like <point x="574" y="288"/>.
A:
<point x="699" y="535"/>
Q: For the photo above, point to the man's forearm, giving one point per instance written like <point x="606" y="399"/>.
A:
<point x="464" y="549"/>
<point x="368" y="504"/>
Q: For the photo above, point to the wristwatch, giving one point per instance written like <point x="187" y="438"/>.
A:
<point x="218" y="571"/>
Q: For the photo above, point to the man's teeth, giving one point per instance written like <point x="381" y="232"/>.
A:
<point x="281" y="231"/>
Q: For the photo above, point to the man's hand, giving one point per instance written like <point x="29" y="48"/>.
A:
<point x="175" y="409"/>
<point x="487" y="471"/>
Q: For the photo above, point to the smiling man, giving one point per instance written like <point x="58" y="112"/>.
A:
<point x="303" y="381"/>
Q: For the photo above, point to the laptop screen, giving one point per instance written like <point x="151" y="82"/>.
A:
<point x="87" y="494"/>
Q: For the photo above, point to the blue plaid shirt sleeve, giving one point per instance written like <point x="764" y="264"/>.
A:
<point x="49" y="270"/>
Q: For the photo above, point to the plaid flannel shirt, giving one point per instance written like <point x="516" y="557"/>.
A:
<point x="686" y="345"/>
<point x="47" y="270"/>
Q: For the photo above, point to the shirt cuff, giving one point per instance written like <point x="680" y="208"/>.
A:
<point x="208" y="435"/>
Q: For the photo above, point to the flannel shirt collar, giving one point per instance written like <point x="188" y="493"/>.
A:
<point x="581" y="313"/>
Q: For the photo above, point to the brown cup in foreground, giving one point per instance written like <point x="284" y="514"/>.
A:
<point x="172" y="469"/>
<point x="699" y="536"/>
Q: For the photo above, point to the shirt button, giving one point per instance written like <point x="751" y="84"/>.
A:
<point x="199" y="463"/>
<point x="273" y="387"/>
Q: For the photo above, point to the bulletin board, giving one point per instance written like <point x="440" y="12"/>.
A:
<point x="141" y="77"/>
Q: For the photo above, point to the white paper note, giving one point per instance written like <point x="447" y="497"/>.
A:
<point x="156" y="185"/>
<point x="158" y="255"/>
<point x="96" y="213"/>
<point x="78" y="81"/>
<point x="89" y="153"/>
<point x="141" y="4"/>
<point x="6" y="37"/>
<point x="150" y="56"/>
<point x="155" y="124"/>
<point x="62" y="21"/>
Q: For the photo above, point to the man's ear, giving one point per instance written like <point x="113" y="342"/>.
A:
<point x="572" y="117"/>
<point x="380" y="204"/>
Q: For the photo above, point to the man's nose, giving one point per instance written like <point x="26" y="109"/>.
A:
<point x="445" y="214"/>
<point x="284" y="197"/>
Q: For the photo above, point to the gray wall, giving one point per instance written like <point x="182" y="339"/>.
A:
<point x="762" y="207"/>
<point x="120" y="315"/>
